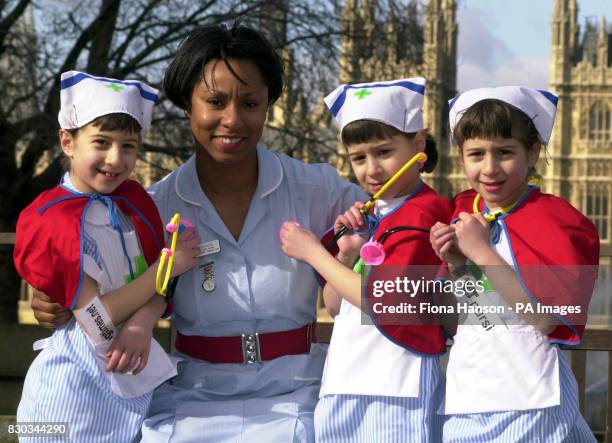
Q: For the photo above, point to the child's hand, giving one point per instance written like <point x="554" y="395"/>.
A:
<point x="187" y="251"/>
<point x="298" y="242"/>
<point x="353" y="218"/>
<point x="130" y="349"/>
<point x="350" y="243"/>
<point x="444" y="243"/>
<point x="349" y="246"/>
<point x="473" y="237"/>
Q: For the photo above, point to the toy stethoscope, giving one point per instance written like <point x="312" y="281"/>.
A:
<point x="175" y="227"/>
<point x="372" y="252"/>
<point x="492" y="216"/>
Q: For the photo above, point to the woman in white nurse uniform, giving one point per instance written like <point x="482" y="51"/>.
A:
<point x="245" y="317"/>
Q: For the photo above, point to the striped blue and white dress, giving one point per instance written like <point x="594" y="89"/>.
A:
<point x="382" y="418"/>
<point x="65" y="383"/>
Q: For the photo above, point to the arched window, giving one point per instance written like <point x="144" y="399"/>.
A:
<point x="599" y="122"/>
<point x="598" y="210"/>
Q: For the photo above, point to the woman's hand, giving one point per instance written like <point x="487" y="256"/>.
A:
<point x="187" y="251"/>
<point x="298" y="242"/>
<point x="130" y="349"/>
<point x="444" y="243"/>
<point x="48" y="313"/>
<point x="473" y="237"/>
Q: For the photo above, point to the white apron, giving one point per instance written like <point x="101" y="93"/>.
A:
<point x="362" y="361"/>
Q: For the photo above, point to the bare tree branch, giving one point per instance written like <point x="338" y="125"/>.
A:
<point x="97" y="62"/>
<point x="119" y="53"/>
<point x="9" y="21"/>
<point x="37" y="146"/>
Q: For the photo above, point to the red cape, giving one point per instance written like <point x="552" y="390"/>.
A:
<point x="409" y="254"/>
<point x="556" y="253"/>
<point x="48" y="237"/>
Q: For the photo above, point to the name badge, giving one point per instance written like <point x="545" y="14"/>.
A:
<point x="209" y="247"/>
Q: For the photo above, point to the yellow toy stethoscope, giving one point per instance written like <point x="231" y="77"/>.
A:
<point x="492" y="216"/>
<point x="175" y="227"/>
<point x="420" y="157"/>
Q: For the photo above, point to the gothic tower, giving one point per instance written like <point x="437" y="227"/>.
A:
<point x="580" y="150"/>
<point x="440" y="70"/>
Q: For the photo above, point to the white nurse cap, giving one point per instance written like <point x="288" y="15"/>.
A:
<point x="397" y="103"/>
<point x="85" y="97"/>
<point x="539" y="106"/>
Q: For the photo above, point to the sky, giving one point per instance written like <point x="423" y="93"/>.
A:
<point x="499" y="44"/>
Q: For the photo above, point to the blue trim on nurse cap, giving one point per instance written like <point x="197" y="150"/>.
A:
<point x="539" y="105"/>
<point x="85" y="97"/>
<point x="396" y="103"/>
<point x="76" y="79"/>
<point x="420" y="89"/>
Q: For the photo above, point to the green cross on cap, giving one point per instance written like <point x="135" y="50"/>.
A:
<point x="115" y="87"/>
<point x="362" y="93"/>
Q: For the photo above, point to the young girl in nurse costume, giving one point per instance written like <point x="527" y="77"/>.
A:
<point x="92" y="244"/>
<point x="381" y="382"/>
<point x="507" y="380"/>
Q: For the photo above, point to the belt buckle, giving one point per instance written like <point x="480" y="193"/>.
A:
<point x="250" y="349"/>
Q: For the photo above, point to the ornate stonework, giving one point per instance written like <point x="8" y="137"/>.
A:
<point x="580" y="151"/>
<point x="403" y="44"/>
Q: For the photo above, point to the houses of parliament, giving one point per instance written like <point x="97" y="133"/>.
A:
<point x="577" y="164"/>
<point x="578" y="161"/>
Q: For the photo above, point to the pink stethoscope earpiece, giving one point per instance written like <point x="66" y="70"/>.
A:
<point x="372" y="253"/>
<point x="184" y="224"/>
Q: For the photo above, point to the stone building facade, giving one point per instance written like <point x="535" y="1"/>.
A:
<point x="407" y="48"/>
<point x="400" y="44"/>
<point x="580" y="151"/>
